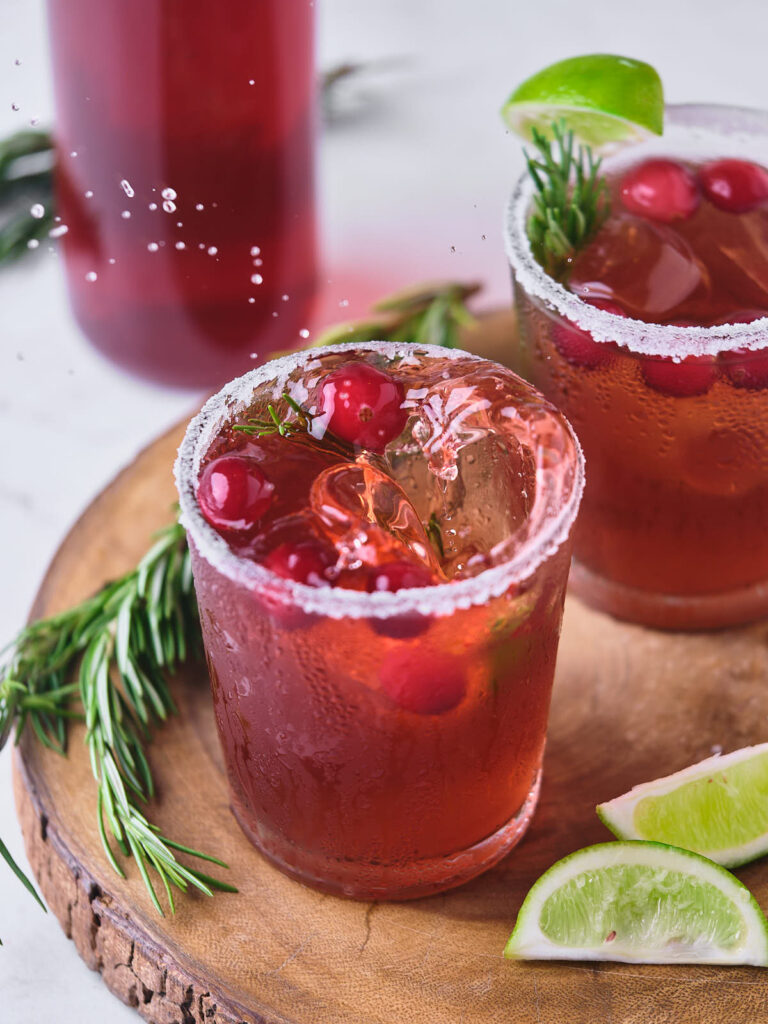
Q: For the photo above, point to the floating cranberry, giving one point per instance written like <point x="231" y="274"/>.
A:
<point x="579" y="347"/>
<point x="425" y="682"/>
<point x="394" y="576"/>
<point x="736" y="186"/>
<point x="661" y="190"/>
<point x="234" y="493"/>
<point x="364" y="405"/>
<point x="693" y="375"/>
<point x="304" y="561"/>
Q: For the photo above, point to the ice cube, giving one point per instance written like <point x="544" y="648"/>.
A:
<point x="369" y="518"/>
<point x="647" y="268"/>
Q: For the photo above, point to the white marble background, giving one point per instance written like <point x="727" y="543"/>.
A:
<point x="423" y="171"/>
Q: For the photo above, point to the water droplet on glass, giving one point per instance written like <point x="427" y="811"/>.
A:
<point x="284" y="298"/>
<point x="125" y="185"/>
<point x="251" y="300"/>
<point x="179" y="224"/>
<point x="201" y="245"/>
<point x="37" y="211"/>
<point x="62" y="229"/>
<point x="153" y="206"/>
<point x="153" y="246"/>
<point x="17" y="62"/>
<point x="168" y="206"/>
<point x="255" y="250"/>
<point x="304" y="333"/>
<point x="34" y="121"/>
<point x="483" y="237"/>
<point x="258" y="262"/>
<point x="256" y="278"/>
<point x="14" y="106"/>
<point x="168" y="193"/>
<point x="453" y="248"/>
<point x="275" y="314"/>
<point x="89" y="194"/>
<point x="91" y="276"/>
<point x="73" y="153"/>
<point x="32" y="243"/>
<point x="254" y="355"/>
<point x="112" y="260"/>
<point x="125" y="214"/>
<point x="57" y="220"/>
<point x="199" y="206"/>
<point x="344" y="302"/>
<point x="180" y="245"/>
<point x="212" y="250"/>
<point x="251" y="81"/>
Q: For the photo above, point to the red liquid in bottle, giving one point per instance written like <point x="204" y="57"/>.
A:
<point x="185" y="178"/>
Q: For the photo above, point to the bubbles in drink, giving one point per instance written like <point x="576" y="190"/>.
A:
<point x="37" y="211"/>
<point x="125" y="185"/>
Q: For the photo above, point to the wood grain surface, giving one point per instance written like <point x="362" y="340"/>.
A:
<point x="629" y="704"/>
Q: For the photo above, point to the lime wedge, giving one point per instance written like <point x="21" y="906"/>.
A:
<point x="601" y="97"/>
<point x="640" y="903"/>
<point x="718" y="807"/>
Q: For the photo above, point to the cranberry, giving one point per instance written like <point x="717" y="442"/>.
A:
<point x="736" y="186"/>
<point x="661" y="190"/>
<point x="234" y="493"/>
<point x="395" y="576"/>
<point x="425" y="682"/>
<point x="364" y="405"/>
<point x="693" y="375"/>
<point x="579" y="348"/>
<point x="304" y="561"/>
<point x="743" y="367"/>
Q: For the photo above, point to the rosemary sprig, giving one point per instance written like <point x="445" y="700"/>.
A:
<point x="277" y="424"/>
<point x="571" y="202"/>
<point x="118" y="645"/>
<point x="431" y="314"/>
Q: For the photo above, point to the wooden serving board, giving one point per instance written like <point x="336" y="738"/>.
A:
<point x="629" y="705"/>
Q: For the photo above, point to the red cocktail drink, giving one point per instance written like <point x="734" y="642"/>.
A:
<point x="185" y="178"/>
<point x="381" y="584"/>
<point x="656" y="347"/>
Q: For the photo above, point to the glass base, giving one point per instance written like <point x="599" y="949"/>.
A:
<point x="371" y="881"/>
<point x="668" y="611"/>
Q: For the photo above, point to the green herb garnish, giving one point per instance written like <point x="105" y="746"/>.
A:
<point x="118" y="645"/>
<point x="571" y="201"/>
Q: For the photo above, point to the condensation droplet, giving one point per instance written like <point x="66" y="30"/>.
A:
<point x="453" y="248"/>
<point x="125" y="185"/>
<point x="73" y="153"/>
<point x="254" y="355"/>
<point x="179" y="224"/>
<point x="251" y="300"/>
<point x="212" y="250"/>
<point x="258" y="263"/>
<point x="89" y="194"/>
<point x="168" y="193"/>
<point x="62" y="229"/>
<point x="37" y="211"/>
<point x="255" y="250"/>
<point x="256" y="278"/>
<point x="34" y="121"/>
<point x="275" y="314"/>
<point x="17" y="62"/>
<point x="251" y="81"/>
<point x="32" y="243"/>
<point x="344" y="302"/>
<point x="14" y="106"/>
<point x="91" y="276"/>
<point x="153" y="206"/>
<point x="284" y="298"/>
<point x="169" y="206"/>
<point x="201" y="245"/>
<point x="180" y="245"/>
<point x="199" y="206"/>
<point x="304" y="333"/>
<point x="125" y="214"/>
<point x="112" y="260"/>
<point x="153" y="246"/>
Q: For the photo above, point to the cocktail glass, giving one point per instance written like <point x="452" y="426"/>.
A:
<point x="344" y="770"/>
<point x="185" y="179"/>
<point x="672" y="528"/>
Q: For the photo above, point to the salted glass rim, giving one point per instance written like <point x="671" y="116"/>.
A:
<point x="636" y="335"/>
<point x="439" y="599"/>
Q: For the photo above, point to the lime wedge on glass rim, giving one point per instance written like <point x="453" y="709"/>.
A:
<point x="640" y="902"/>
<point x="718" y="807"/>
<point x="602" y="98"/>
